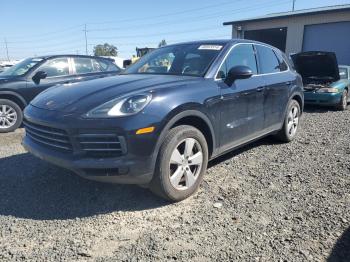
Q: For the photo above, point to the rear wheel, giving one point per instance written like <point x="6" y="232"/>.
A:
<point x="181" y="164"/>
<point x="11" y="116"/>
<point x="291" y="122"/>
<point x="343" y="101"/>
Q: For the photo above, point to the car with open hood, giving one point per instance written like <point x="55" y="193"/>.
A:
<point x="23" y="81"/>
<point x="159" y="122"/>
<point x="323" y="83"/>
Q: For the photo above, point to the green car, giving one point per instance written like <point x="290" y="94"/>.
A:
<point x="325" y="83"/>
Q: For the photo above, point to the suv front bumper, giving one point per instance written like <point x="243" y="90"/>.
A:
<point x="73" y="143"/>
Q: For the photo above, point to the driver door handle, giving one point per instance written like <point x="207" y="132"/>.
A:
<point x="260" y="88"/>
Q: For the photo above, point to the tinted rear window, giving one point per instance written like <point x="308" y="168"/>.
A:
<point x="267" y="60"/>
<point x="102" y="65"/>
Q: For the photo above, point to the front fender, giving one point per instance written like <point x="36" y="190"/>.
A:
<point x="14" y="94"/>
<point x="186" y="110"/>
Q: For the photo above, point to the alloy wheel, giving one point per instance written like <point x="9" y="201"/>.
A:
<point x="185" y="164"/>
<point x="8" y="116"/>
<point x="293" y="121"/>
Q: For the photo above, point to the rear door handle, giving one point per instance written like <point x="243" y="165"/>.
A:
<point x="260" y="88"/>
<point x="288" y="83"/>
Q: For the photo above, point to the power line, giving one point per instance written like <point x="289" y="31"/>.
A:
<point x="43" y="35"/>
<point x="202" y="17"/>
<point x="74" y="33"/>
<point x="119" y="37"/>
<point x="158" y="34"/>
<point x="19" y="45"/>
<point x="182" y="31"/>
<point x="169" y="14"/>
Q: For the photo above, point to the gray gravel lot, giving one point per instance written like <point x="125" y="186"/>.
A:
<point x="264" y="202"/>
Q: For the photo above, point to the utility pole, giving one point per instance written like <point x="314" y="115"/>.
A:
<point x="7" y="50"/>
<point x="86" y="45"/>
<point x="293" y="5"/>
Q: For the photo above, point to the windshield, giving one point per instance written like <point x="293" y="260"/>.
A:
<point x="183" y="59"/>
<point x="22" y="67"/>
<point x="343" y="73"/>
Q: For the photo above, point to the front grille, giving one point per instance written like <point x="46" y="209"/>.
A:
<point x="101" y="145"/>
<point x="48" y="136"/>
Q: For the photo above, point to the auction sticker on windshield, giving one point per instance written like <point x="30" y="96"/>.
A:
<point x="210" y="47"/>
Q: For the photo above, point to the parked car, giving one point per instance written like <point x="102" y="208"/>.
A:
<point x="22" y="82"/>
<point x="161" y="120"/>
<point x="4" y="67"/>
<point x="322" y="82"/>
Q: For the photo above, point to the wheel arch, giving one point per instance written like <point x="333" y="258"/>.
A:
<point x="14" y="97"/>
<point x="299" y="99"/>
<point x="194" y="118"/>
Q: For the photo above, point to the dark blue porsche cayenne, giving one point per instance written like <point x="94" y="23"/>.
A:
<point x="159" y="122"/>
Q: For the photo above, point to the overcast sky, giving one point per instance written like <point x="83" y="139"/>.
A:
<point x="39" y="27"/>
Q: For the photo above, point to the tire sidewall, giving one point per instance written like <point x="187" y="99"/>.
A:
<point x="344" y="96"/>
<point x="164" y="158"/>
<point x="291" y="104"/>
<point x="19" y="115"/>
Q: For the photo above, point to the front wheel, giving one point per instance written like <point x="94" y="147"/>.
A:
<point x="343" y="101"/>
<point x="11" y="116"/>
<point x="181" y="164"/>
<point x="291" y="122"/>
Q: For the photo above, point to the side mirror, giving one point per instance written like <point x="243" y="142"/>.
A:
<point x="238" y="72"/>
<point x="38" y="76"/>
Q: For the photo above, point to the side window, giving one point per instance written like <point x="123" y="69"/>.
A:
<point x="104" y="66"/>
<point x="282" y="62"/>
<point x="268" y="62"/>
<point x="83" y="65"/>
<point x="240" y="55"/>
<point x="55" y="67"/>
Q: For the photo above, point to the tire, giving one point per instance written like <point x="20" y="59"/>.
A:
<point x="291" y="122"/>
<point x="11" y="116"/>
<point x="185" y="168"/>
<point x="343" y="101"/>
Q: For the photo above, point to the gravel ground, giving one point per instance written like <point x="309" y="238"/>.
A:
<point x="265" y="202"/>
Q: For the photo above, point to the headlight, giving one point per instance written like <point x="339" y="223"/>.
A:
<point x="121" y="107"/>
<point x="328" y="90"/>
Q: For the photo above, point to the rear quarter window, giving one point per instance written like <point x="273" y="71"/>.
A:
<point x="101" y="65"/>
<point x="268" y="62"/>
<point x="83" y="65"/>
<point x="282" y="61"/>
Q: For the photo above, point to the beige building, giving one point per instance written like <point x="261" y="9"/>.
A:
<point x="319" y="29"/>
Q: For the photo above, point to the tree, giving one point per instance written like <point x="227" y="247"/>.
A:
<point x="162" y="43"/>
<point x="105" y="50"/>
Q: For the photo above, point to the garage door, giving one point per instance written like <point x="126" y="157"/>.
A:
<point x="333" y="37"/>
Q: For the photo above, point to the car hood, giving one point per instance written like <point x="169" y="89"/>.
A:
<point x="87" y="95"/>
<point x="317" y="66"/>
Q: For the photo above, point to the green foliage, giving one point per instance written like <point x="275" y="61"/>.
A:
<point x="105" y="50"/>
